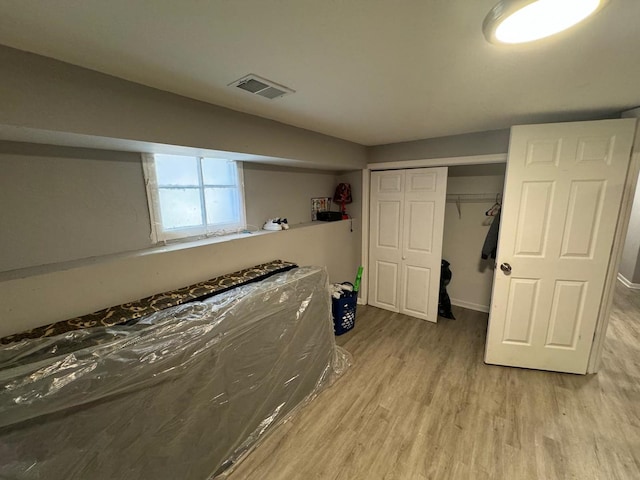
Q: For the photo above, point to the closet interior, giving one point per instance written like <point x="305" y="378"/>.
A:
<point x="421" y="216"/>
<point x="473" y="191"/>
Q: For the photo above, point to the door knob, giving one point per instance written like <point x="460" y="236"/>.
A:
<point x="506" y="268"/>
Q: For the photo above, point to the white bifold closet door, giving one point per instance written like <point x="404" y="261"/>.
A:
<point x="562" y="197"/>
<point x="406" y="230"/>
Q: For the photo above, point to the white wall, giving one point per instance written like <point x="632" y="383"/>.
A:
<point x="464" y="235"/>
<point x="354" y="210"/>
<point x="41" y="299"/>
<point x="273" y="191"/>
<point x="61" y="204"/>
<point x="479" y="143"/>
<point x="67" y="205"/>
<point x="630" y="262"/>
<point x="74" y="203"/>
<point x="46" y="95"/>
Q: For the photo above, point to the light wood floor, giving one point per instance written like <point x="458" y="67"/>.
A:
<point x="419" y="403"/>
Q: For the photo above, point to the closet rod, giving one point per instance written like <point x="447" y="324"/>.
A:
<point x="473" y="197"/>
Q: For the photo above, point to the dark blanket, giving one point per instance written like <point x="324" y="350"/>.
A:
<point x="128" y="312"/>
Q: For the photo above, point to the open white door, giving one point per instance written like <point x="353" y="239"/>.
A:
<point x="562" y="196"/>
<point x="406" y="229"/>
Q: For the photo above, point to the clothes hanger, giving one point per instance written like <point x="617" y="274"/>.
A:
<point x="493" y="211"/>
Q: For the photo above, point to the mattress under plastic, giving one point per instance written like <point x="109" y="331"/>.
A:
<point x="181" y="394"/>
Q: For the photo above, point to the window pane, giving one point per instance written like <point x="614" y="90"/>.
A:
<point x="176" y="170"/>
<point x="222" y="205"/>
<point x="216" y="171"/>
<point x="180" y="207"/>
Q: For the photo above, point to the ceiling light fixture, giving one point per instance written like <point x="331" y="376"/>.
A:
<point x="520" y="21"/>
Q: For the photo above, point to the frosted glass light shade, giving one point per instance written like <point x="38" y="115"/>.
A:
<point x="521" y="21"/>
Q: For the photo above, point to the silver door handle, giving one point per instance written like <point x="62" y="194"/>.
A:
<point x="506" y="268"/>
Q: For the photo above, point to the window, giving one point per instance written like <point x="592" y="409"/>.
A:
<point x="193" y="196"/>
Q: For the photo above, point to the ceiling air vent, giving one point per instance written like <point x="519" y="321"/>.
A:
<point x="261" y="86"/>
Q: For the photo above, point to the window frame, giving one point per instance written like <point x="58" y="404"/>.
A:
<point x="159" y="234"/>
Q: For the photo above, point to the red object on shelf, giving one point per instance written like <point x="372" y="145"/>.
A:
<point x="343" y="196"/>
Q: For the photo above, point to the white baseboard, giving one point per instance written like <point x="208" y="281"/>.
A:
<point x="627" y="283"/>
<point x="471" y="306"/>
<point x="360" y="301"/>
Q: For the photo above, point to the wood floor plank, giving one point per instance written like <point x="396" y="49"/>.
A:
<point x="419" y="403"/>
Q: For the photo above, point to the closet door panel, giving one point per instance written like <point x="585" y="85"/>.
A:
<point x="423" y="228"/>
<point x="385" y="239"/>
<point x="388" y="220"/>
<point x="420" y="226"/>
<point x="417" y="281"/>
<point x="386" y="292"/>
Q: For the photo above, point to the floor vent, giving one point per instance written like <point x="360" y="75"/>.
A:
<point x="261" y="86"/>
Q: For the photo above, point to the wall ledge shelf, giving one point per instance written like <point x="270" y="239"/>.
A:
<point x="37" y="270"/>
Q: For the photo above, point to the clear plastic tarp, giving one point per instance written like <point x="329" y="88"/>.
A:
<point x="181" y="394"/>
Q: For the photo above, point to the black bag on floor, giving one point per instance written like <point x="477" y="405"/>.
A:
<point x="444" y="302"/>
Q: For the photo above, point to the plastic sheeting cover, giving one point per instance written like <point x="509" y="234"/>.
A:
<point x="183" y="393"/>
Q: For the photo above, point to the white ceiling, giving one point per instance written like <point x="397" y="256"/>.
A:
<point x="369" y="71"/>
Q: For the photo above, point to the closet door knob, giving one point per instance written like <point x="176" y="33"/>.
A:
<point x="506" y="268"/>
